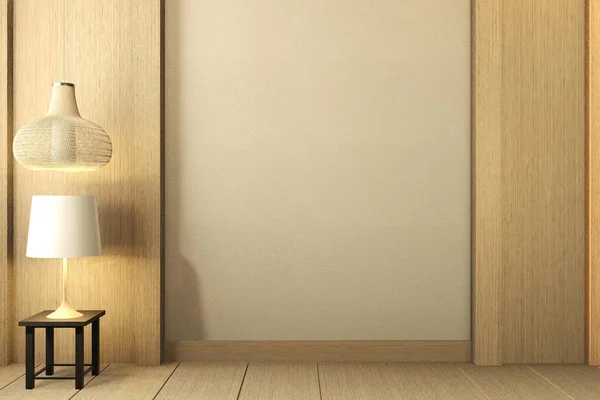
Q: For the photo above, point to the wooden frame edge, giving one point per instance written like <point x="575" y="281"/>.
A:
<point x="163" y="215"/>
<point x="592" y="93"/>
<point x="6" y="292"/>
<point x="320" y="350"/>
<point x="149" y="307"/>
<point x="486" y="84"/>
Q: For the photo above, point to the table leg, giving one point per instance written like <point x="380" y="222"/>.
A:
<point x="79" y="357"/>
<point x="49" y="351"/>
<point x="29" y="357"/>
<point x="96" y="347"/>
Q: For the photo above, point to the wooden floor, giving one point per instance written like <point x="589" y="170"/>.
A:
<point x="308" y="381"/>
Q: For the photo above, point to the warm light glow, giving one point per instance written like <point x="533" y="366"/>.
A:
<point x="65" y="311"/>
<point x="62" y="227"/>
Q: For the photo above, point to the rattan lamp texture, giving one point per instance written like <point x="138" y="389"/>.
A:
<point x="62" y="141"/>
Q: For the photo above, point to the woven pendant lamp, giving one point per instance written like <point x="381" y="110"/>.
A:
<point x="62" y="140"/>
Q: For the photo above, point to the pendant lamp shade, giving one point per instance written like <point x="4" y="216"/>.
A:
<point x="62" y="140"/>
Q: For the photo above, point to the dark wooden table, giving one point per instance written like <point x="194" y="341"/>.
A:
<point x="40" y="321"/>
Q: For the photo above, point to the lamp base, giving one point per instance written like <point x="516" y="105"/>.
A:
<point x="65" y="311"/>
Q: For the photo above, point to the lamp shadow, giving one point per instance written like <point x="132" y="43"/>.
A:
<point x="183" y="308"/>
<point x="117" y="228"/>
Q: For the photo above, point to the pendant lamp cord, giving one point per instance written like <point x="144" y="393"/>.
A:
<point x="64" y="24"/>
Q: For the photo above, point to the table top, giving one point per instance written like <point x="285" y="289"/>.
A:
<point x="39" y="320"/>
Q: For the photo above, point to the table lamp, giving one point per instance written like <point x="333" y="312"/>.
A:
<point x="63" y="227"/>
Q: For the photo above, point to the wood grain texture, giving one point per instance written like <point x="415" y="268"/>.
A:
<point x="113" y="57"/>
<point x="434" y="381"/>
<point x="281" y="380"/>
<point x="46" y="389"/>
<point x="543" y="208"/>
<point x="353" y="381"/>
<point x="593" y="182"/>
<point x="486" y="188"/>
<point x="6" y="318"/>
<point x="127" y="382"/>
<point x="210" y="380"/>
<point x="512" y="382"/>
<point x="338" y="381"/>
<point x="10" y="373"/>
<point x="581" y="382"/>
<point x="529" y="181"/>
<point x="319" y="350"/>
<point x="148" y="144"/>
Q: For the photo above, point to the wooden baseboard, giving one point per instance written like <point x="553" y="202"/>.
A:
<point x="320" y="350"/>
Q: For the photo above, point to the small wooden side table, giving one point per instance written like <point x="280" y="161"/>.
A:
<point x="40" y="321"/>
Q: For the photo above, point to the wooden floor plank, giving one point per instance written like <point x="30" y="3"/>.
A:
<point x="434" y="382"/>
<point x="358" y="381"/>
<point x="11" y="373"/>
<point x="209" y="380"/>
<point x="581" y="382"/>
<point x="127" y="381"/>
<point x="281" y="380"/>
<point x="309" y="381"/>
<point x="512" y="382"/>
<point x="46" y="389"/>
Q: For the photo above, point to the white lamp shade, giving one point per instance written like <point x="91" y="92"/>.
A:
<point x="63" y="227"/>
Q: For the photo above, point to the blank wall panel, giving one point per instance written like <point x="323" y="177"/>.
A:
<point x="317" y="163"/>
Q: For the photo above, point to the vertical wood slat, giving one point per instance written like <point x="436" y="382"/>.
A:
<point x="593" y="183"/>
<point x="148" y="97"/>
<point x="543" y="187"/>
<point x="486" y="184"/>
<point x="5" y="185"/>
<point x="529" y="186"/>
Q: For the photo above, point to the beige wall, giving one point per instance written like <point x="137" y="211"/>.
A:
<point x="317" y="169"/>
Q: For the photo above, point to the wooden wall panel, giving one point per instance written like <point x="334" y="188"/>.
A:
<point x="543" y="206"/>
<point x="486" y="188"/>
<point x="540" y="143"/>
<point x="148" y="61"/>
<point x="113" y="57"/>
<point x="593" y="171"/>
<point x="5" y="188"/>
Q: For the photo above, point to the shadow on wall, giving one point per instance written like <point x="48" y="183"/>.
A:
<point x="117" y="228"/>
<point x="117" y="217"/>
<point x="183" y="309"/>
